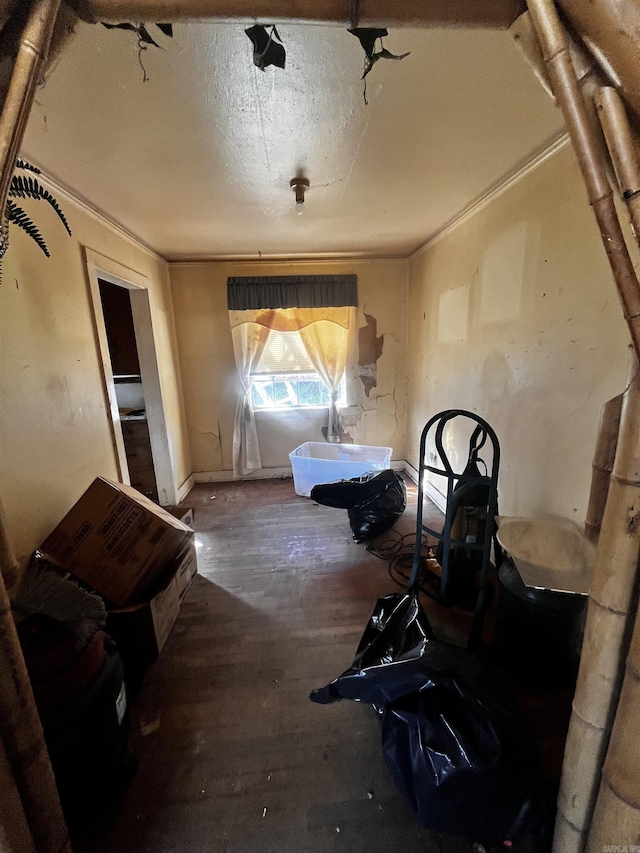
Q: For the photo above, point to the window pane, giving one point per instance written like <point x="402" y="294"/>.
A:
<point x="262" y="393"/>
<point x="285" y="393"/>
<point x="309" y="392"/>
<point x="288" y="390"/>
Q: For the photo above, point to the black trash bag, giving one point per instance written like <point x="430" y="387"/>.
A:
<point x="375" y="501"/>
<point x="465" y="764"/>
<point x="454" y="743"/>
<point x="387" y="662"/>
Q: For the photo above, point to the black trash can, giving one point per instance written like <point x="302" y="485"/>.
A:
<point x="538" y="632"/>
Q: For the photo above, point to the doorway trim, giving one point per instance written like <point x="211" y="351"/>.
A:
<point x="101" y="267"/>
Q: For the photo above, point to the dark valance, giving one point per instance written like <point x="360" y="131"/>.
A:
<point x="253" y="293"/>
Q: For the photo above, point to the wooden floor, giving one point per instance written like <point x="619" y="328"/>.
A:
<point x="233" y="755"/>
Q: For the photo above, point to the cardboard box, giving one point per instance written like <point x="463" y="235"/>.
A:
<point x="186" y="569"/>
<point x="117" y="541"/>
<point x="141" y="630"/>
<point x="183" y="514"/>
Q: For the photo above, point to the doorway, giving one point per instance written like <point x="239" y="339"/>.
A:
<point x="125" y="366"/>
<point x="124" y="331"/>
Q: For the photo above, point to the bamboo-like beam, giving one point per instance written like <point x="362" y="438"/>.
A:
<point x="27" y="69"/>
<point x="22" y="739"/>
<point x="589" y="74"/>
<point x="612" y="594"/>
<point x="612" y="602"/>
<point x="617" y="810"/>
<point x="617" y="813"/>
<point x="622" y="148"/>
<point x="494" y="14"/>
<point x="610" y="29"/>
<point x="20" y="729"/>
<point x="604" y="457"/>
<point x="587" y="147"/>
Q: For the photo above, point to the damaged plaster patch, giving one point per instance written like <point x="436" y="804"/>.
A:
<point x="209" y="443"/>
<point x="369" y="351"/>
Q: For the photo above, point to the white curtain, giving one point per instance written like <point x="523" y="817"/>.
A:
<point x="325" y="335"/>
<point x="326" y="344"/>
<point x="249" y="340"/>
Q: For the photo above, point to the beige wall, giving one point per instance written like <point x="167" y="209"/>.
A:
<point x="514" y="315"/>
<point x="54" y="429"/>
<point x="209" y="375"/>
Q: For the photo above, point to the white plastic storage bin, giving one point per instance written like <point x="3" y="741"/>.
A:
<point x="317" y="462"/>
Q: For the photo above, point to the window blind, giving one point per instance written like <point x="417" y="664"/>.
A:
<point x="284" y="353"/>
<point x="252" y="293"/>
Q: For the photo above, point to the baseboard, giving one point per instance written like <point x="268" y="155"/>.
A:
<point x="186" y="487"/>
<point x="411" y="471"/>
<point x="429" y="489"/>
<point x="227" y="476"/>
<point x="283" y="473"/>
<point x="435" y="496"/>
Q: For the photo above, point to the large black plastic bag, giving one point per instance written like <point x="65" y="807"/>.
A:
<point x="454" y="744"/>
<point x="388" y="658"/>
<point x="375" y="501"/>
<point x="466" y="766"/>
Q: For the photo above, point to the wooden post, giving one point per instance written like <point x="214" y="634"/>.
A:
<point x="612" y="597"/>
<point x="605" y="454"/>
<point x="615" y="124"/>
<point x="567" y="92"/>
<point x="22" y="739"/>
<point x="31" y="784"/>
<point x="612" y="604"/>
<point x="616" y="820"/>
<point x="611" y="27"/>
<point x="27" y="68"/>
<point x="495" y="14"/>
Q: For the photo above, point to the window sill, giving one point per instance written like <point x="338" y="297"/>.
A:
<point x="282" y="410"/>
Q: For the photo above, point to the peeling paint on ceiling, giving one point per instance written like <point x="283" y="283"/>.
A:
<point x="197" y="161"/>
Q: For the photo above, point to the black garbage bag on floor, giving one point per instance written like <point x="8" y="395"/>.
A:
<point x="388" y="658"/>
<point x="375" y="501"/>
<point x="454" y="743"/>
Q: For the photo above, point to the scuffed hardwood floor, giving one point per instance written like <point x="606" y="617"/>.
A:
<point x="233" y="755"/>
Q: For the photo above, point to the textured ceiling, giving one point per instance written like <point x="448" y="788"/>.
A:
<point x="197" y="160"/>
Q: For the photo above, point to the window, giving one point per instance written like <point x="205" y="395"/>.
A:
<point x="285" y="377"/>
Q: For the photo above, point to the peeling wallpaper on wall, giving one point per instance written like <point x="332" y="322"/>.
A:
<point x="370" y="347"/>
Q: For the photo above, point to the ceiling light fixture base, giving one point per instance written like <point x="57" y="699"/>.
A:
<point x="299" y="186"/>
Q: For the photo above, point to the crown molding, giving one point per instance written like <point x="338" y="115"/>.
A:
<point x="65" y="192"/>
<point x="502" y="186"/>
<point x="302" y="257"/>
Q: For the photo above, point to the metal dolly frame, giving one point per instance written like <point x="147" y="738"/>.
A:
<point x="483" y="431"/>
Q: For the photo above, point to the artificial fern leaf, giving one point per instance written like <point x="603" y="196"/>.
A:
<point x="24" y="164"/>
<point x="19" y="217"/>
<point x="25" y="187"/>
